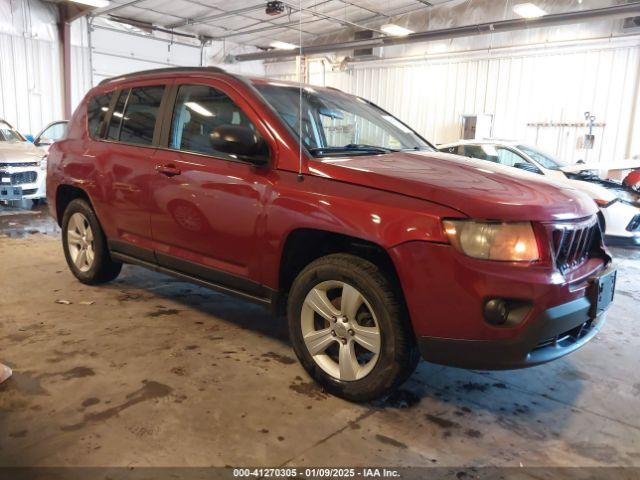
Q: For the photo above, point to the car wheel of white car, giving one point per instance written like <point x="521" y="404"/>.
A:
<point x="85" y="246"/>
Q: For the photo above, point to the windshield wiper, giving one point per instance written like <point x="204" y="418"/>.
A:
<point x="352" y="147"/>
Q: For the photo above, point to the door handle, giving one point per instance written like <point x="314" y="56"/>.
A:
<point x="169" y="170"/>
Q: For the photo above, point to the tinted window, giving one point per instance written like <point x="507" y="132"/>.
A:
<point x="141" y="112"/>
<point x="96" y="112"/>
<point x="508" y="158"/>
<point x="483" y="152"/>
<point x="116" y="116"/>
<point x="198" y="111"/>
<point x="453" y="150"/>
<point x="9" y="134"/>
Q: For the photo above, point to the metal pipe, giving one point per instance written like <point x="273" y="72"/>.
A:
<point x="630" y="9"/>
<point x="217" y="16"/>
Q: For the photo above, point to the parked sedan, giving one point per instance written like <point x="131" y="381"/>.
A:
<point x="619" y="210"/>
<point x="22" y="168"/>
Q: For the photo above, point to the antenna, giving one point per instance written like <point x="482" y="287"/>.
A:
<point x="300" y="176"/>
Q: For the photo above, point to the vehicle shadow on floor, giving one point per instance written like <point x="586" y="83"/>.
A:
<point x="449" y="394"/>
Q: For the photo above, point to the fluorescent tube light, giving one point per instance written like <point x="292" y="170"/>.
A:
<point x="529" y="10"/>
<point x="283" y="45"/>
<point x="93" y="3"/>
<point x="196" y="107"/>
<point x="395" y="30"/>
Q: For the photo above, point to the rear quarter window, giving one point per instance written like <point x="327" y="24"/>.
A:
<point x="96" y="113"/>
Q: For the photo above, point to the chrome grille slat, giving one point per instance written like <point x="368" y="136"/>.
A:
<point x="572" y="243"/>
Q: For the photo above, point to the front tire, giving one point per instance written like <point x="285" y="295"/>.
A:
<point x="85" y="246"/>
<point x="349" y="329"/>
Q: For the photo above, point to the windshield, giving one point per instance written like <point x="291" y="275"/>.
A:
<point x="546" y="160"/>
<point x="8" y="134"/>
<point x="334" y="123"/>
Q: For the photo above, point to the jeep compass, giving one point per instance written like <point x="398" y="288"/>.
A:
<point x="326" y="208"/>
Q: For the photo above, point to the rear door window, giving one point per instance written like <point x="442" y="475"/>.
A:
<point x="141" y="115"/>
<point x="482" y="152"/>
<point x="135" y="115"/>
<point x="453" y="150"/>
<point x="96" y="113"/>
<point x="116" y="116"/>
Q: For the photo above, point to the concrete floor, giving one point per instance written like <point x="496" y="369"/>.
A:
<point x="149" y="371"/>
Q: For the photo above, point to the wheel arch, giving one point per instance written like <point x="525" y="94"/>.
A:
<point x="65" y="194"/>
<point x="304" y="245"/>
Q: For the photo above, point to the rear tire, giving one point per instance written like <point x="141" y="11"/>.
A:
<point x="349" y="328"/>
<point x="85" y="246"/>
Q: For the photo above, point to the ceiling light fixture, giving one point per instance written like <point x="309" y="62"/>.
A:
<point x="283" y="45"/>
<point x="196" y="107"/>
<point x="529" y="10"/>
<point x="93" y="3"/>
<point x="395" y="30"/>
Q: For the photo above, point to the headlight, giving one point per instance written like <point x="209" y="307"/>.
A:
<point x="508" y="242"/>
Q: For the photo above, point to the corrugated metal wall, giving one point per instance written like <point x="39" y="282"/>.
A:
<point x="30" y="82"/>
<point x="518" y="86"/>
<point x="115" y="52"/>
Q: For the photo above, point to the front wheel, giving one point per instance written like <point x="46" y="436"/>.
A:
<point x="349" y="329"/>
<point x="85" y="246"/>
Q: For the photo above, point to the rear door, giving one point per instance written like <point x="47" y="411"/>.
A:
<point x="209" y="204"/>
<point x="131" y="139"/>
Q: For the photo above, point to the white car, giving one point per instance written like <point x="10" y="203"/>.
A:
<point x="23" y="169"/>
<point x="620" y="210"/>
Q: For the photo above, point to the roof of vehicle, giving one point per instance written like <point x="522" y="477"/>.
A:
<point x="160" y="71"/>
<point x="174" y="71"/>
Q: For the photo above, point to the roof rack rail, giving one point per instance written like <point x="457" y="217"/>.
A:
<point x="165" y="70"/>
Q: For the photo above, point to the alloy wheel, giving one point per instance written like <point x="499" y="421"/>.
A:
<point x="340" y="330"/>
<point x="80" y="242"/>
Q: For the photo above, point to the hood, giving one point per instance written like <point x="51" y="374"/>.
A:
<point x="477" y="188"/>
<point x="18" y="152"/>
<point x="629" y="164"/>
<point x="595" y="191"/>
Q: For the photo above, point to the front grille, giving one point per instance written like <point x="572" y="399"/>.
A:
<point x="634" y="224"/>
<point x="19" y="178"/>
<point x="21" y="164"/>
<point x="572" y="243"/>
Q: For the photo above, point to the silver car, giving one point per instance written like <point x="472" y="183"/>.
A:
<point x="23" y="169"/>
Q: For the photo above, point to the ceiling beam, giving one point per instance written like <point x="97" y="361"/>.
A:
<point x="625" y="10"/>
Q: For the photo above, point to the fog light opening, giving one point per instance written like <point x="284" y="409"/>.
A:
<point x="496" y="311"/>
<point x="505" y="312"/>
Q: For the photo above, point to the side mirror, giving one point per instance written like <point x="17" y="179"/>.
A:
<point x="527" y="167"/>
<point x="241" y="142"/>
<point x="43" y="142"/>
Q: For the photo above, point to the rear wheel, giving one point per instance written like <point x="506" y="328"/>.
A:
<point x="348" y="328"/>
<point x="85" y="246"/>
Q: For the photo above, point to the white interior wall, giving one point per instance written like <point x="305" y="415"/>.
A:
<point x="30" y="79"/>
<point x="519" y="86"/>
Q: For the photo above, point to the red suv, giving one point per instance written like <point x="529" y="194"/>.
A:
<point x="324" y="206"/>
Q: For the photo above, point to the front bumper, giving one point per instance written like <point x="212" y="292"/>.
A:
<point x="557" y="332"/>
